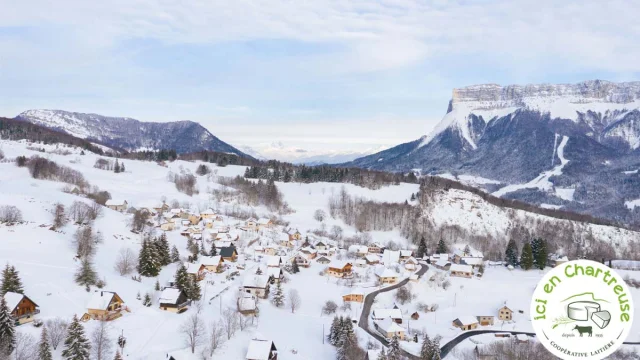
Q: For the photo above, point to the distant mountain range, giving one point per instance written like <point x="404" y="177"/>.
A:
<point x="130" y="134"/>
<point x="279" y="151"/>
<point x="573" y="146"/>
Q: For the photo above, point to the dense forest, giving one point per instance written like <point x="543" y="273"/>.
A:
<point x="286" y="172"/>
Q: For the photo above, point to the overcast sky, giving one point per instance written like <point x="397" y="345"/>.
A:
<point x="345" y="75"/>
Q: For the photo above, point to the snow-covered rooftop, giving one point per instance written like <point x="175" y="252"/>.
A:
<point x="461" y="268"/>
<point x="259" y="349"/>
<point x="115" y="202"/>
<point x="467" y="320"/>
<point x="274" y="261"/>
<point x="390" y="257"/>
<point x="169" y="296"/>
<point x="263" y="221"/>
<point x="386" y="313"/>
<point x="256" y="281"/>
<point x="385" y="272"/>
<point x="247" y="303"/>
<point x="12" y="299"/>
<point x="100" y="300"/>
<point x="473" y="261"/>
<point x="389" y="325"/>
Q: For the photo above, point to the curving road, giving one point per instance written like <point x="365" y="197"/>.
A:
<point x="366" y="309"/>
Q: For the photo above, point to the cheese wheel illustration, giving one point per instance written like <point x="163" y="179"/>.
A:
<point x="582" y="310"/>
<point x="601" y="318"/>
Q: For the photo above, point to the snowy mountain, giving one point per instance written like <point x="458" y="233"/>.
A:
<point x="130" y="134"/>
<point x="571" y="146"/>
<point x="280" y="151"/>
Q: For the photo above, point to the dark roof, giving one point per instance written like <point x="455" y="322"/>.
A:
<point x="228" y="251"/>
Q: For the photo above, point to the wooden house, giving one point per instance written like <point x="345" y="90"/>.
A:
<point x="195" y="271"/>
<point x="372" y="259"/>
<point x="340" y="269"/>
<point x="262" y="350"/>
<point x="301" y="260"/>
<point x="323" y="260"/>
<point x="194" y="219"/>
<point x="247" y="304"/>
<point x="486" y="320"/>
<point x="270" y="250"/>
<point x="405" y="254"/>
<point x="162" y="208"/>
<point x="442" y="264"/>
<point x="461" y="270"/>
<point x="274" y="261"/>
<point x="264" y="223"/>
<point x="375" y="248"/>
<point x="257" y="285"/>
<point x="505" y="314"/>
<point x="361" y="263"/>
<point x="321" y="246"/>
<point x="117" y="205"/>
<point x="211" y="263"/>
<point x="386" y="275"/>
<point x="466" y="323"/>
<point x="309" y="253"/>
<point x="394" y="314"/>
<point x="251" y="224"/>
<point x="296" y="235"/>
<point x="229" y="253"/>
<point x="174" y="300"/>
<point x="22" y="309"/>
<point x="411" y="264"/>
<point x="353" y="296"/>
<point x="167" y="226"/>
<point x="389" y="329"/>
<point x="105" y="306"/>
<point x="208" y="214"/>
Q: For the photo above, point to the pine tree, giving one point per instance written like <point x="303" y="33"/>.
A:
<point x="467" y="250"/>
<point x="442" y="247"/>
<point x="148" y="260"/>
<point x="422" y="248"/>
<point x="118" y="356"/>
<point x="194" y="290"/>
<point x="259" y="271"/>
<point x="116" y="168"/>
<point x="86" y="275"/>
<point x="413" y="197"/>
<point x="181" y="278"/>
<point x="333" y="332"/>
<point x="175" y="254"/>
<point x="44" y="349"/>
<point x="426" y="351"/>
<point x="147" y="300"/>
<point x="7" y="329"/>
<point x="11" y="280"/>
<point x="348" y="336"/>
<point x="122" y="167"/>
<point x="203" y="252"/>
<point x="157" y="286"/>
<point x="162" y="247"/>
<point x="526" y="259"/>
<point x="511" y="254"/>
<point x="435" y="348"/>
<point x="278" y="296"/>
<point x="76" y="345"/>
<point x="382" y="355"/>
<point x="214" y="251"/>
<point x="541" y="257"/>
<point x="294" y="267"/>
<point x="394" y="349"/>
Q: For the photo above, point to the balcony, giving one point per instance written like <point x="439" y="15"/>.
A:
<point x="29" y="314"/>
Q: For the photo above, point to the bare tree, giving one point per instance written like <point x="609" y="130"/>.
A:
<point x="26" y="347"/>
<point x="10" y="214"/>
<point x="216" y="337"/>
<point x="59" y="217"/>
<point x="95" y="210"/>
<point x="57" y="329"/>
<point x="229" y="322"/>
<point x="193" y="331"/>
<point x="329" y="307"/>
<point x="319" y="215"/>
<point x="336" y="231"/>
<point x="79" y="212"/>
<point x="403" y="295"/>
<point x="139" y="220"/>
<point x="101" y="344"/>
<point x="85" y="242"/>
<point x="126" y="261"/>
<point x="294" y="300"/>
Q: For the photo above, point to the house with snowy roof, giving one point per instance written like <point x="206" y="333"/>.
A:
<point x="390" y="257"/>
<point x="262" y="350"/>
<point x="474" y="262"/>
<point x="372" y="259"/>
<point x="274" y="261"/>
<point x="173" y="300"/>
<point x="247" y="304"/>
<point x="105" y="306"/>
<point x="461" y="270"/>
<point x="375" y="248"/>
<point x="389" y="328"/>
<point x="195" y="271"/>
<point x="505" y="314"/>
<point x="411" y="263"/>
<point x="360" y="250"/>
<point x="117" y="204"/>
<point x="264" y="223"/>
<point x="211" y="263"/>
<point x="208" y="214"/>
<point x="466" y="323"/>
<point x="21" y="308"/>
<point x="405" y="254"/>
<point x="229" y="253"/>
<point x="385" y="275"/>
<point x="442" y="264"/>
<point x="339" y="269"/>
<point x="257" y="285"/>
<point x="394" y="314"/>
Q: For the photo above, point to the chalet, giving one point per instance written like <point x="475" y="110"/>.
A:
<point x="275" y="274"/>
<point x="284" y="239"/>
<point x="360" y="263"/>
<point x="274" y="261"/>
<point x="386" y="275"/>
<point x="264" y="223"/>
<point x="321" y="246"/>
<point x="262" y="350"/>
<point x="394" y="314"/>
<point x="389" y="329"/>
<point x="229" y="253"/>
<point x="247" y="304"/>
<point x="162" y="208"/>
<point x="323" y="260"/>
<point x="301" y="260"/>
<point x="466" y="323"/>
<point x="353" y="296"/>
<point x="211" y="263"/>
<point x="442" y="264"/>
<point x="296" y="235"/>
<point x="484" y="352"/>
<point x="505" y="314"/>
<point x="405" y="254"/>
<point x="195" y="271"/>
<point x="372" y="259"/>
<point x="174" y="300"/>
<point x="486" y="320"/>
<point x="411" y="263"/>
<point x="435" y="257"/>
<point x="375" y="248"/>
<point x="309" y="253"/>
<point x="460" y="255"/>
<point x="270" y="250"/>
<point x="167" y="226"/>
<point x="461" y="270"/>
<point x="208" y="214"/>
<point x="340" y="269"/>
<point x="117" y="205"/>
<point x="360" y="250"/>
<point x="104" y="305"/>
<point x="390" y="257"/>
<point x="22" y="308"/>
<point x="194" y="219"/>
<point x="257" y="285"/>
<point x="251" y="224"/>
<point x="474" y="262"/>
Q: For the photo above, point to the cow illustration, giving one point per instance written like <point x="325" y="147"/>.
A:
<point x="583" y="329"/>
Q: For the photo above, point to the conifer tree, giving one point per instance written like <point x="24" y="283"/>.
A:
<point x="194" y="289"/>
<point x="190" y="244"/>
<point x="147" y="300"/>
<point x="334" y="330"/>
<point x="348" y="335"/>
<point x="175" y="254"/>
<point x="541" y="257"/>
<point x="86" y="275"/>
<point x="294" y="267"/>
<point x="394" y="349"/>
<point x="467" y="250"/>
<point x="278" y="296"/>
<point x="118" y="356"/>
<point x="511" y="254"/>
<point x="157" y="286"/>
<point x="426" y="351"/>
<point x="44" y="349"/>
<point x="422" y="248"/>
<point x="203" y="252"/>
<point x="435" y="348"/>
<point x="11" y="280"/>
<point x="7" y="329"/>
<point x="116" y="167"/>
<point x="148" y="260"/>
<point x="382" y="355"/>
<point x="181" y="278"/>
<point x="162" y="247"/>
<point x="213" y="251"/>
<point x="526" y="259"/>
<point x="76" y="345"/>
<point x="442" y="247"/>
<point x="259" y="271"/>
<point x="122" y="167"/>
